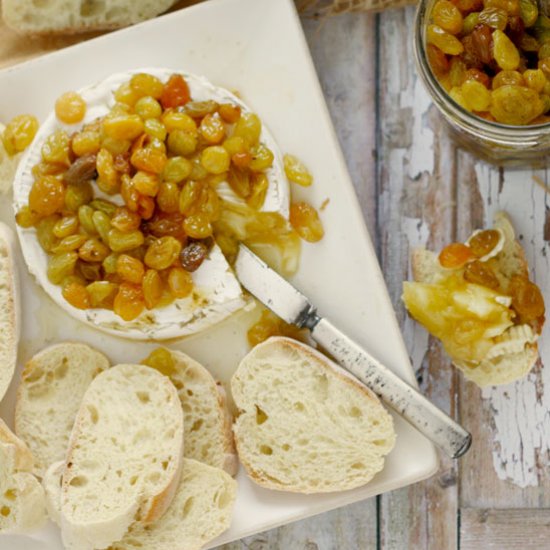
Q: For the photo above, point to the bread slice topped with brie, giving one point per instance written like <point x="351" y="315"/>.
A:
<point x="476" y="297"/>
<point x="216" y="293"/>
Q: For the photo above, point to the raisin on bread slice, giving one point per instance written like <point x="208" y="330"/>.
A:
<point x="9" y="309"/>
<point x="49" y="396"/>
<point x="201" y="510"/>
<point x="76" y="16"/>
<point x="22" y="500"/>
<point x="304" y="424"/>
<point x="207" y="420"/>
<point x="479" y="317"/>
<point x="124" y="459"/>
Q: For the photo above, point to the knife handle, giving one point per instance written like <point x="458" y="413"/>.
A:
<point x="406" y="400"/>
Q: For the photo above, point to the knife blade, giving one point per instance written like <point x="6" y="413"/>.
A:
<point x="295" y="308"/>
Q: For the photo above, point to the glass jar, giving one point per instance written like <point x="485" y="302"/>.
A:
<point x="500" y="144"/>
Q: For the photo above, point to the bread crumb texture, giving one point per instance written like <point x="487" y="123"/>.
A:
<point x="52" y="385"/>
<point x="304" y="424"/>
<point x="22" y="500"/>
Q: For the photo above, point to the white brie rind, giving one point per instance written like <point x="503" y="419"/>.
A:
<point x="217" y="293"/>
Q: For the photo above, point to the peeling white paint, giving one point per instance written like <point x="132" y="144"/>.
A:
<point x="408" y="163"/>
<point x="521" y="414"/>
<point x="415" y="335"/>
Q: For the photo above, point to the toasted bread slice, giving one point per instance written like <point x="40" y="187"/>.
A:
<point x="124" y="459"/>
<point x="207" y="421"/>
<point x="49" y="396"/>
<point x="9" y="309"/>
<point x="76" y="16"/>
<point x="201" y="510"/>
<point x="305" y="425"/>
<point x="513" y="350"/>
<point x="22" y="500"/>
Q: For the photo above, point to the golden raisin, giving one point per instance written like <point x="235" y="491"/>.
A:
<point x="144" y="84"/>
<point x="229" y="112"/>
<point x="19" y="133"/>
<point x="130" y="269"/>
<point x="527" y="299"/>
<point x="47" y="196"/>
<point x="296" y="172"/>
<point x="179" y="282"/>
<point x="162" y="253"/>
<point x="305" y="220"/>
<point x="212" y="128"/>
<point x="447" y="16"/>
<point x="70" y="108"/>
<point x="483" y="242"/>
<point x="455" y="255"/>
<point x="77" y="295"/>
<point x="197" y="226"/>
<point x="446" y="42"/>
<point x="175" y="92"/>
<point x="480" y="273"/>
<point x="152" y="288"/>
<point x="129" y="301"/>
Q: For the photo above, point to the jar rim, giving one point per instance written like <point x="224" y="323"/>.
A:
<point x="446" y="103"/>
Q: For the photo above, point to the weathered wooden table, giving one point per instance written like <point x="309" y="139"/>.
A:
<point x="417" y="188"/>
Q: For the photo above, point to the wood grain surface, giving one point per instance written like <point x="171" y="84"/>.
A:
<point x="417" y="189"/>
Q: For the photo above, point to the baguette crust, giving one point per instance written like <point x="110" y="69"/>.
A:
<point x="373" y="422"/>
<point x="201" y="510"/>
<point x="510" y="262"/>
<point x="9" y="309"/>
<point x="208" y="422"/>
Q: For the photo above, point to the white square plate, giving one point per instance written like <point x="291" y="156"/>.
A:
<point x="256" y="47"/>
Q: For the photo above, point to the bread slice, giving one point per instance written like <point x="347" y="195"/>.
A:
<point x="124" y="459"/>
<point x="8" y="165"/>
<point x="76" y="16"/>
<point x="513" y="351"/>
<point x="201" y="510"/>
<point x="49" y="395"/>
<point x="207" y="421"/>
<point x="22" y="500"/>
<point x="305" y="425"/>
<point x="9" y="309"/>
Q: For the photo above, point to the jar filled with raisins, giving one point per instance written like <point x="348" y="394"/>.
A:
<point x="486" y="64"/>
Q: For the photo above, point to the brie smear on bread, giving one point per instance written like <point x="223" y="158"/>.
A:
<point x="217" y="293"/>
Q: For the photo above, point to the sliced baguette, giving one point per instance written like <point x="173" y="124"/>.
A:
<point x="124" y="459"/>
<point x="49" y="396"/>
<point x="207" y="421"/>
<point x="305" y="425"/>
<point x="9" y="309"/>
<point x="8" y="165"/>
<point x="515" y="351"/>
<point x="200" y="511"/>
<point x="76" y="16"/>
<point x="22" y="500"/>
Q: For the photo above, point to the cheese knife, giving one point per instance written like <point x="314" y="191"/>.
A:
<point x="293" y="307"/>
